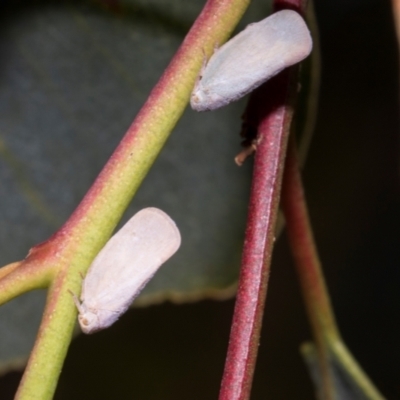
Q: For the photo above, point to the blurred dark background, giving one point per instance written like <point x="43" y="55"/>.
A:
<point x="352" y="183"/>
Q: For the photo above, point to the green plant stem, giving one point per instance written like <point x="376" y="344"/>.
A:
<point x="74" y="246"/>
<point x="343" y="356"/>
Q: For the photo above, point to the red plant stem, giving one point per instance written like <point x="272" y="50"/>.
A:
<point x="269" y="112"/>
<point x="303" y="245"/>
<point x="308" y="266"/>
<point x="275" y="114"/>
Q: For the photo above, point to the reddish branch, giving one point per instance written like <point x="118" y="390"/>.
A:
<point x="303" y="248"/>
<point x="269" y="112"/>
<point x="308" y="266"/>
<point x="271" y="106"/>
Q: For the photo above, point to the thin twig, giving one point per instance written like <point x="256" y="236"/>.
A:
<point x="308" y="266"/>
<point x="328" y="341"/>
<point x="272" y="103"/>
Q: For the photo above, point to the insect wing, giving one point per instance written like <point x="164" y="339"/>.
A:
<point x="129" y="260"/>
<point x="252" y="57"/>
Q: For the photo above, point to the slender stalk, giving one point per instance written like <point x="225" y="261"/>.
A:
<point x="327" y="337"/>
<point x="343" y="356"/>
<point x="275" y="114"/>
<point x="308" y="266"/>
<point x="269" y="112"/>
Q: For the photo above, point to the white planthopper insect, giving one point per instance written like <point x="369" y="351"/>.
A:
<point x="124" y="266"/>
<point x="249" y="59"/>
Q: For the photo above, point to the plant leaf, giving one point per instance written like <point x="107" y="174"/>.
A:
<point x="73" y="77"/>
